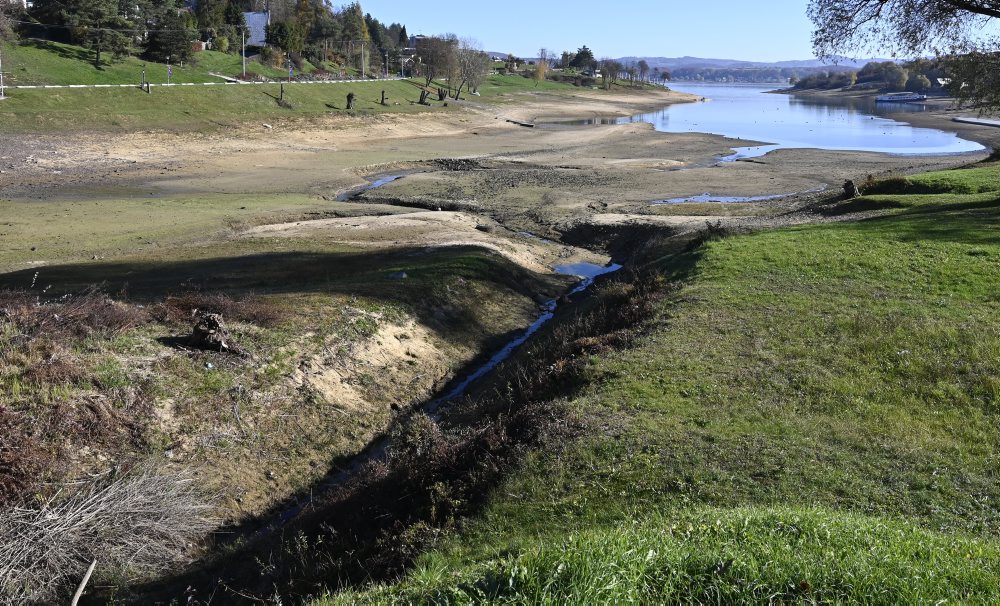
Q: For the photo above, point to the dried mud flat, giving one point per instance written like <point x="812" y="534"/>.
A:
<point x="539" y="180"/>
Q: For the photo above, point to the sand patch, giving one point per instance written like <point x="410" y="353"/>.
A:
<point x="399" y="364"/>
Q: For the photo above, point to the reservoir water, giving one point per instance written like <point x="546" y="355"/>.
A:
<point x="786" y="121"/>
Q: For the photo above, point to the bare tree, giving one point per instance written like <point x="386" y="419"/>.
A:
<point x="435" y="59"/>
<point x="433" y="54"/>
<point x="473" y="65"/>
<point x="906" y="26"/>
<point x="610" y="69"/>
<point x="542" y="66"/>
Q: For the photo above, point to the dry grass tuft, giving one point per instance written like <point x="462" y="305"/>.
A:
<point x="71" y="316"/>
<point x="138" y="522"/>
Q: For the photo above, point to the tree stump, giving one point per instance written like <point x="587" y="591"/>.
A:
<point x="210" y="333"/>
<point x="383" y="98"/>
<point x="350" y="100"/>
<point x="850" y="190"/>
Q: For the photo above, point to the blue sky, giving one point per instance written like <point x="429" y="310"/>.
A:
<point x="765" y="30"/>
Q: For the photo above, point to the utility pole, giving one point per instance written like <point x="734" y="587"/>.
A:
<point x="362" y="59"/>
<point x="243" y="39"/>
<point x="1" y="77"/>
<point x="170" y="70"/>
<point x="387" y="65"/>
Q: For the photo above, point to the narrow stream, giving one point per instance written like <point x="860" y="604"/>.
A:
<point x="349" y="195"/>
<point x="709" y="197"/>
<point x="587" y="272"/>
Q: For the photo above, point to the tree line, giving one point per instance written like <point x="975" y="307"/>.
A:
<point x="950" y="30"/>
<point x="161" y="30"/>
<point x="752" y="74"/>
<point x="918" y="75"/>
<point x="582" y="67"/>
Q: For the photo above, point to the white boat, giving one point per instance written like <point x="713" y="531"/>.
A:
<point x="900" y="98"/>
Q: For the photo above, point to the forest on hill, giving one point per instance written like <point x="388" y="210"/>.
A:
<point x="162" y="30"/>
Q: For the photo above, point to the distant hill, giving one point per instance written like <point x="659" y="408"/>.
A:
<point x="703" y="63"/>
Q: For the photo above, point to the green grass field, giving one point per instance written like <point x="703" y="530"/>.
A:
<point x="188" y="108"/>
<point x="42" y="62"/>
<point x="193" y="108"/>
<point x="812" y="417"/>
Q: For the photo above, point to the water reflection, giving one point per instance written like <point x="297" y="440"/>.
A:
<point x="784" y="121"/>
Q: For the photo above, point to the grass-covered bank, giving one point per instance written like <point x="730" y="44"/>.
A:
<point x="812" y="416"/>
<point x="34" y="62"/>
<point x="194" y="108"/>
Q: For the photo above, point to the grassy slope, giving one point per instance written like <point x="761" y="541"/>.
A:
<point x="42" y="62"/>
<point x="186" y="108"/>
<point x="190" y="108"/>
<point x="812" y="416"/>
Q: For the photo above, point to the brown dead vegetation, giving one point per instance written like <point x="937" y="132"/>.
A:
<point x="134" y="523"/>
<point x="77" y="316"/>
<point x="184" y="307"/>
<point x="39" y="425"/>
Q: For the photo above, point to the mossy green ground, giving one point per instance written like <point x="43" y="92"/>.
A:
<point x="812" y="416"/>
<point x="66" y="230"/>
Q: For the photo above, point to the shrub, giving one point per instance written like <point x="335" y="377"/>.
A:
<point x="183" y="308"/>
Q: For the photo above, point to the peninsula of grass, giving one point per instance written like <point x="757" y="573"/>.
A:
<point x="811" y="416"/>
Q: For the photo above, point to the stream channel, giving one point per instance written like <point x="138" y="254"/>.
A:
<point x="457" y="387"/>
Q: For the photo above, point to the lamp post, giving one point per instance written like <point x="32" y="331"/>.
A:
<point x="1" y="77"/>
<point x="170" y="69"/>
<point x="386" y="65"/>
<point x="243" y="40"/>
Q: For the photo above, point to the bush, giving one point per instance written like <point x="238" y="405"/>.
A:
<point x="183" y="308"/>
